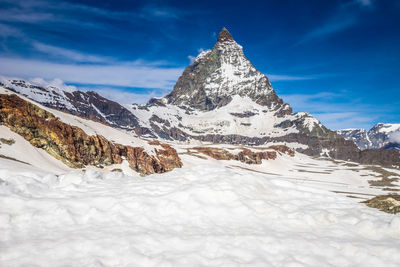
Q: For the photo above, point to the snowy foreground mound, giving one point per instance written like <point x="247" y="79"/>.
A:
<point x="204" y="215"/>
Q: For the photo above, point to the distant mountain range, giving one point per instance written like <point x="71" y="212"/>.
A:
<point x="381" y="136"/>
<point x="220" y="98"/>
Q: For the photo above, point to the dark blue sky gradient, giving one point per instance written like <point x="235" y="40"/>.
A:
<point x="338" y="60"/>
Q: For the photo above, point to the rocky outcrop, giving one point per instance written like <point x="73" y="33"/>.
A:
<point x="245" y="155"/>
<point x="73" y="146"/>
<point x="386" y="203"/>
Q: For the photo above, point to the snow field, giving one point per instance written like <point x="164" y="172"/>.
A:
<point x="195" y="216"/>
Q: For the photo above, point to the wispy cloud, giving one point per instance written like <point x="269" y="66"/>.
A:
<point x="123" y="96"/>
<point x="330" y="27"/>
<point x="395" y="137"/>
<point x="160" y="12"/>
<point x="75" y="56"/>
<point x="7" y="31"/>
<point x="336" y="110"/>
<point x="136" y="74"/>
<point x="277" y="77"/>
<point x="42" y="11"/>
<point x="55" y="82"/>
<point x="365" y="3"/>
<point x="345" y="120"/>
<point x="346" y="16"/>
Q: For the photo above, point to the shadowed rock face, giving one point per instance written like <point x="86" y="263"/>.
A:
<point x="73" y="146"/>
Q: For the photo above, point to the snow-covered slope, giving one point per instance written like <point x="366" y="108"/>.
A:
<point x="381" y="136"/>
<point x="203" y="215"/>
<point x="241" y="116"/>
<point x="76" y="141"/>
<point x="29" y="156"/>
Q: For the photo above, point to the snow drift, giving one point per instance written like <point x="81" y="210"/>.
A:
<point x="195" y="216"/>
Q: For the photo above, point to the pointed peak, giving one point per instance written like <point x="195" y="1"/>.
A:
<point x="224" y="35"/>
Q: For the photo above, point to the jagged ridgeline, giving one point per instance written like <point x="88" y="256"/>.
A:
<point x="218" y="74"/>
<point x="221" y="98"/>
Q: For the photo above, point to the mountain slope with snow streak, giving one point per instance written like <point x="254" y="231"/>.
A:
<point x="79" y="142"/>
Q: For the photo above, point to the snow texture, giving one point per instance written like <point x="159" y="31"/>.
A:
<point x="205" y="215"/>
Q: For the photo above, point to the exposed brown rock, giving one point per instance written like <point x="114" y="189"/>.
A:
<point x="72" y="145"/>
<point x="386" y="203"/>
<point x="215" y="153"/>
<point x="250" y="157"/>
<point x="283" y="149"/>
<point x="246" y="155"/>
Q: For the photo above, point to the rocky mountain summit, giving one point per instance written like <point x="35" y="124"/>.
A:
<point x="217" y="75"/>
<point x="381" y="136"/>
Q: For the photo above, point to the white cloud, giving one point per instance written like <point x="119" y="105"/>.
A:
<point x="136" y="74"/>
<point x="367" y="3"/>
<point x="68" y="54"/>
<point x="336" y="24"/>
<point x="191" y="58"/>
<point x="346" y="16"/>
<point x="277" y="77"/>
<point x="160" y="12"/>
<point x="395" y="137"/>
<point x="335" y="111"/>
<point x="344" y="120"/>
<point x="55" y="82"/>
<point x="125" y="97"/>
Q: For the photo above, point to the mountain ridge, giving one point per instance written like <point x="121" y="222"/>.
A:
<point x="219" y="98"/>
<point x="380" y="136"/>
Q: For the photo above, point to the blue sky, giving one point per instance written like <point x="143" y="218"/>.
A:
<point x="338" y="60"/>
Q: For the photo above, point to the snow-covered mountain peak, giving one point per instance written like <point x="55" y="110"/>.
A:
<point x="218" y="74"/>
<point x="377" y="137"/>
<point x="386" y="127"/>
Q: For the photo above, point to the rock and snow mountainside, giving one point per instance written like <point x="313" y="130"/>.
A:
<point x="217" y="75"/>
<point x="85" y="104"/>
<point x="78" y="142"/>
<point x="381" y="136"/>
<point x="220" y="98"/>
<point x="69" y="195"/>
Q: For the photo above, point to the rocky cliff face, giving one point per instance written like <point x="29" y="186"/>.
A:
<point x="73" y="146"/>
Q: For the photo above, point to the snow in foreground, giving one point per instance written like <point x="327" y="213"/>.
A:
<point x="202" y="215"/>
